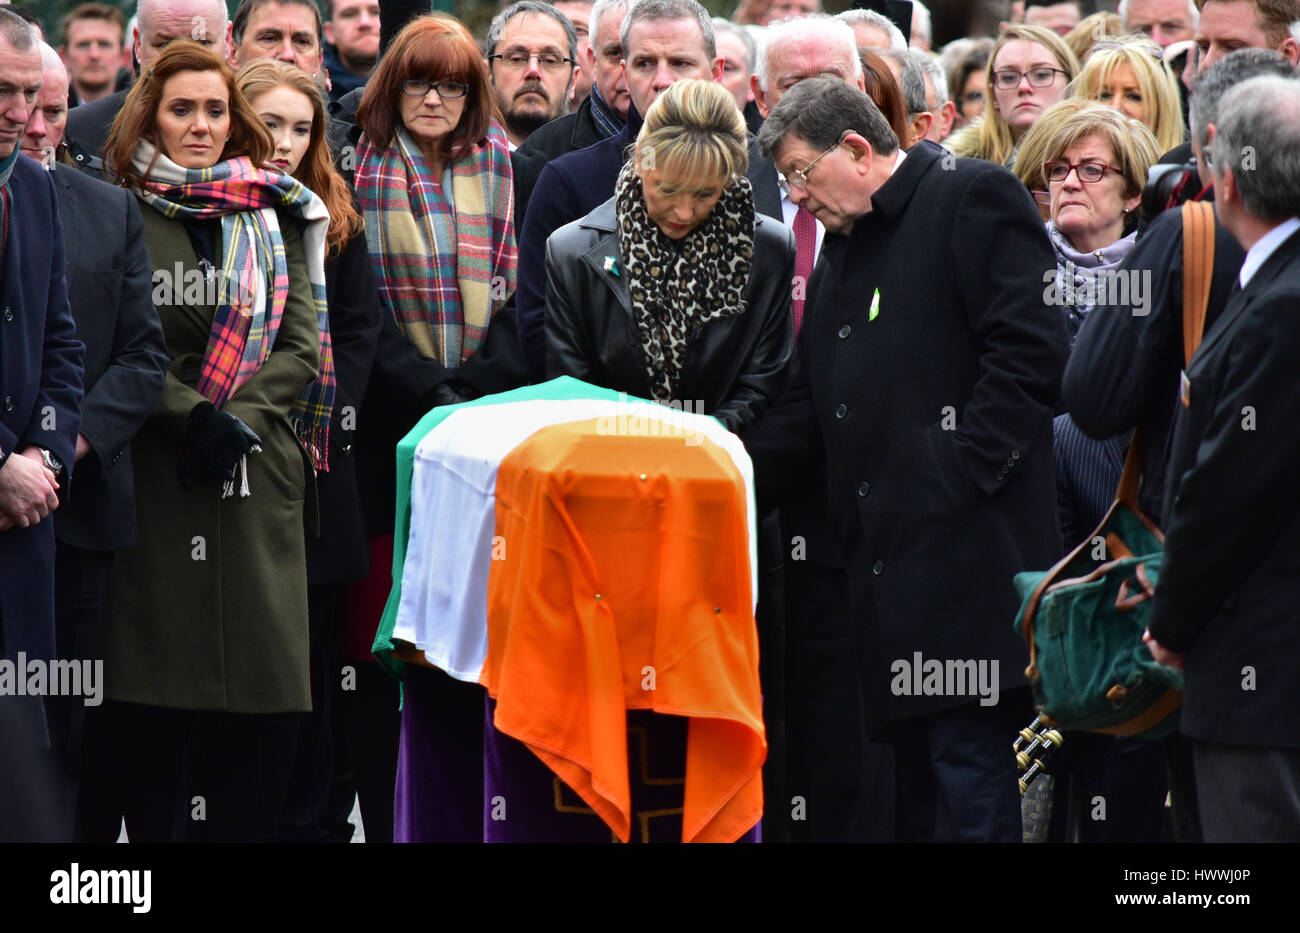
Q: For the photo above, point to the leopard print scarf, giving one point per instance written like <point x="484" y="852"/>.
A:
<point x="678" y="287"/>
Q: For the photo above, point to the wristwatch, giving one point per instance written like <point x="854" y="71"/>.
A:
<point x="52" y="463"/>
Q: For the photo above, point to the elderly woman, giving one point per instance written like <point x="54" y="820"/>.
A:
<point x="205" y="643"/>
<point x="1029" y="69"/>
<point x="1094" y="166"/>
<point x="434" y="185"/>
<point x="1129" y="75"/>
<point x="674" y="289"/>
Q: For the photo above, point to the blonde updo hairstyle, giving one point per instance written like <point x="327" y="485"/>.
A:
<point x="693" y="133"/>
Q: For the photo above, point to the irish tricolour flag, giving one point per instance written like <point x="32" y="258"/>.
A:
<point x="580" y="553"/>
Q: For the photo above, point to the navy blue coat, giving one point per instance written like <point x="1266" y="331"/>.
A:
<point x="40" y="395"/>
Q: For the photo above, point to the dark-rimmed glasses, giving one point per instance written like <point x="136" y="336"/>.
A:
<point x="447" y="90"/>
<point x="1089" y="172"/>
<point x="1008" y="79"/>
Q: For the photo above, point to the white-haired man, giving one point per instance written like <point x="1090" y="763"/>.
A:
<point x="159" y="22"/>
<point x="1165" y="21"/>
<point x="873" y="30"/>
<point x="1225" y="607"/>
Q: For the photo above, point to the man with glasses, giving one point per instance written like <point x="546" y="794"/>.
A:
<point x="532" y="49"/>
<point x="927" y="379"/>
<point x="604" y="111"/>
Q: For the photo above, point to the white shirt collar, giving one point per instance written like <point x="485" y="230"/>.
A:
<point x="1264" y="247"/>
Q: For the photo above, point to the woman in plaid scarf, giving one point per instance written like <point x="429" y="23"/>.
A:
<point x="205" y="643"/>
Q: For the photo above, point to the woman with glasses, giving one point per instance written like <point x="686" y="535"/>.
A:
<point x="674" y="289"/>
<point x="1094" y="164"/>
<point x="1029" y="69"/>
<point x="435" y="190"/>
<point x="1130" y="75"/>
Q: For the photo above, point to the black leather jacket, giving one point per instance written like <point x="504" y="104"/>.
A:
<point x="734" y="368"/>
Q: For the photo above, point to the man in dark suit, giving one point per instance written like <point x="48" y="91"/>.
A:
<point x="1224" y="607"/>
<point x="604" y="111"/>
<point x="110" y="292"/>
<point x="663" y="41"/>
<point x="40" y="397"/>
<point x="928" y="372"/>
<point x="157" y="23"/>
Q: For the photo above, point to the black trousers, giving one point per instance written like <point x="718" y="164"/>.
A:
<point x="1248" y="793"/>
<point x="189" y="776"/>
<point x="369" y="728"/>
<point x="956" y="775"/>
<point x="80" y="590"/>
<point x="844" y="782"/>
<point x="318" y="802"/>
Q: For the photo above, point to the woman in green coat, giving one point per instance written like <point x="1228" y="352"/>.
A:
<point x="205" y="643"/>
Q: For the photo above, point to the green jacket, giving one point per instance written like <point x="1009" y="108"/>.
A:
<point x="210" y="611"/>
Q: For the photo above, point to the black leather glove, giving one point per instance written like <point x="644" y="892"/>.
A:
<point x="214" y="442"/>
<point x="443" y="394"/>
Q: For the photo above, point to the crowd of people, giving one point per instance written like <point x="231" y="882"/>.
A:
<point x="242" y="257"/>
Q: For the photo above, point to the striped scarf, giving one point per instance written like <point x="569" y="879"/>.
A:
<point x="444" y="267"/>
<point x="254" y="275"/>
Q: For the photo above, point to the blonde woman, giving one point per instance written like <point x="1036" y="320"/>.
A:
<point x="674" y="288"/>
<point x="1029" y="70"/>
<point x="1129" y="75"/>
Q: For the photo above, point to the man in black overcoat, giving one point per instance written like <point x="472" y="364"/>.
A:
<point x="929" y="362"/>
<point x="1225" y="603"/>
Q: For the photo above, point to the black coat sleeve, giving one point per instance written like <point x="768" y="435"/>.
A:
<point x="760" y="377"/>
<point x="354" y="332"/>
<point x="1235" y="499"/>
<point x="117" y="405"/>
<point x="1025" y="339"/>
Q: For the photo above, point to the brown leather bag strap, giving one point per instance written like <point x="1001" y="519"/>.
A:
<point x="1198" y="271"/>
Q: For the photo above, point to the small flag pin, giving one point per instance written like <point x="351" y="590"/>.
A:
<point x="875" y="306"/>
<point x="611" y="266"/>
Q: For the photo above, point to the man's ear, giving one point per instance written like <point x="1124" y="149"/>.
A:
<point x="859" y="149"/>
<point x="329" y="33"/>
<point x="1290" y="50"/>
<point x="230" y="46"/>
<point x="760" y="98"/>
<point x="921" y="126"/>
<point x="947" y="116"/>
<point x="717" y="68"/>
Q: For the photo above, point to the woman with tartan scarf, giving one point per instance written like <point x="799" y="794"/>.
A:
<point x="435" y="188"/>
<point x="205" y="644"/>
<point x="674" y="290"/>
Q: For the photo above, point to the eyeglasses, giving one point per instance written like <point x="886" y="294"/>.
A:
<point x="1089" y="172"/>
<point x="799" y="177"/>
<point x="447" y="90"/>
<point x="1009" y="79"/>
<point x="518" y="61"/>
